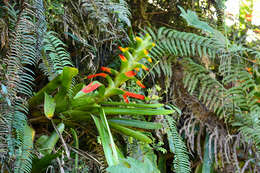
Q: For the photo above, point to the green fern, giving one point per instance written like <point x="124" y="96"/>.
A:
<point x="55" y="57"/>
<point x="23" y="55"/>
<point x="181" y="162"/>
<point x="226" y="89"/>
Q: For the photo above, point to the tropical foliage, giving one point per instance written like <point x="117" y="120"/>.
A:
<point x="112" y="86"/>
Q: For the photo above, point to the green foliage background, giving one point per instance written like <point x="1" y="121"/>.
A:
<point x="201" y="112"/>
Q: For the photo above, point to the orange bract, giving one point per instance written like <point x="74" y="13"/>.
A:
<point x="123" y="58"/>
<point x="90" y="87"/>
<point x="140" y="84"/>
<point x="130" y="73"/>
<point x="248" y="69"/>
<point x="248" y="17"/>
<point x="96" y="75"/>
<point x="144" y="67"/>
<point x="106" y="69"/>
<point x="137" y="69"/>
<point x="137" y="96"/>
<point x="125" y="98"/>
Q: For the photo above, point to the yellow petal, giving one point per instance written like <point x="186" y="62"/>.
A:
<point x="146" y="52"/>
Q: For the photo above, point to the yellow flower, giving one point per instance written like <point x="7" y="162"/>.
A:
<point x="149" y="59"/>
<point x="138" y="39"/>
<point x="145" y="68"/>
<point x="146" y="52"/>
<point x="123" y="49"/>
<point x="137" y="69"/>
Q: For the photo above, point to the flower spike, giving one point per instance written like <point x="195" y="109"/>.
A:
<point x="96" y="75"/>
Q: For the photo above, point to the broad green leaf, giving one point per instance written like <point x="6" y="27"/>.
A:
<point x="131" y="165"/>
<point x="67" y="75"/>
<point x="136" y="123"/>
<point x="208" y="158"/>
<point x="136" y="111"/>
<point x="106" y="142"/>
<point x="132" y="104"/>
<point x="49" y="144"/>
<point x="49" y="106"/>
<point x="40" y="165"/>
<point x="129" y="132"/>
<point x="105" y="123"/>
<point x="41" y="140"/>
<point x="76" y="115"/>
<point x="49" y="88"/>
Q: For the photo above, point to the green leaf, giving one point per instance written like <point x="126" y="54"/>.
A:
<point x="41" y="140"/>
<point x="208" y="158"/>
<point x="129" y="132"/>
<point x="132" y="104"/>
<point x="106" y="142"/>
<point x="49" y="106"/>
<point x="131" y="165"/>
<point x="136" y="123"/>
<point x="49" y="88"/>
<point x="40" y="165"/>
<point x="75" y="136"/>
<point x="49" y="144"/>
<point x="67" y="75"/>
<point x="136" y="111"/>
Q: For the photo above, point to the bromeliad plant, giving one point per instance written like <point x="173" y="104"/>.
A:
<point x="80" y="103"/>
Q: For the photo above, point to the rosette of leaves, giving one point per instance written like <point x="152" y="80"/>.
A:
<point x="81" y="102"/>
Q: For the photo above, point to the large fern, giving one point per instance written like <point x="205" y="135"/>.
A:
<point x="215" y="72"/>
<point x="21" y="59"/>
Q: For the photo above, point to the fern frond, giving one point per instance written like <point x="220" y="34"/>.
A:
<point x="55" y="57"/>
<point x="101" y="12"/>
<point x="211" y="91"/>
<point x="250" y="126"/>
<point x="22" y="57"/>
<point x="181" y="162"/>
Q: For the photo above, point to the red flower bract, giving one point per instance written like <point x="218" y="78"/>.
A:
<point x="130" y="73"/>
<point x="98" y="74"/>
<point x="106" y="69"/>
<point x="123" y="58"/>
<point x="137" y="96"/>
<point x="125" y="98"/>
<point x="90" y="87"/>
<point x="140" y="84"/>
<point x="248" y="17"/>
